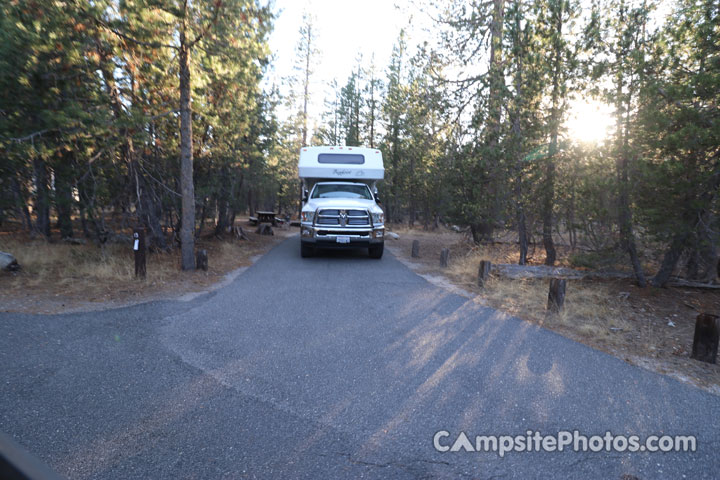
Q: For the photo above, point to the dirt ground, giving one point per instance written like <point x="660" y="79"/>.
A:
<point x="60" y="278"/>
<point x="649" y="327"/>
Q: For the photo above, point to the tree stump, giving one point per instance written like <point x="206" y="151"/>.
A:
<point x="264" y="229"/>
<point x="484" y="272"/>
<point x="444" y="257"/>
<point x="240" y="233"/>
<point x="556" y="295"/>
<point x="705" y="342"/>
<point x="201" y="260"/>
<point x="140" y="252"/>
<point x="415" y="248"/>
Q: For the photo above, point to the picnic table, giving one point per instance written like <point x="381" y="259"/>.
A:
<point x="266" y="217"/>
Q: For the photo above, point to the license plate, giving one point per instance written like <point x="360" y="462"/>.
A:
<point x="342" y="239"/>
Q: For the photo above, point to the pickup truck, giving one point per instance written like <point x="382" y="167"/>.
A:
<point x="341" y="208"/>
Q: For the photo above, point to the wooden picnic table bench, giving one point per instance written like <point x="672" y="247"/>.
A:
<point x="266" y="217"/>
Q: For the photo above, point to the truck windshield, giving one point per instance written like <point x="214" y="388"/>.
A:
<point x="341" y="191"/>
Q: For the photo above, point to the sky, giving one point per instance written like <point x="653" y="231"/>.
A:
<point x="345" y="28"/>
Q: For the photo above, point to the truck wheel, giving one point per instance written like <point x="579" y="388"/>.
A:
<point x="306" y="250"/>
<point x="376" y="251"/>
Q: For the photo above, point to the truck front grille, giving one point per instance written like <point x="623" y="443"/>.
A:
<point x="351" y="233"/>
<point x="343" y="218"/>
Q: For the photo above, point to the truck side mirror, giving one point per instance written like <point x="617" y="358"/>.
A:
<point x="377" y="198"/>
<point x="304" y="196"/>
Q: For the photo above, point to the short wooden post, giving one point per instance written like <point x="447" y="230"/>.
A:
<point x="444" y="257"/>
<point x="140" y="250"/>
<point x="556" y="295"/>
<point x="705" y="342"/>
<point x="484" y="272"/>
<point x="201" y="260"/>
<point x="415" y="248"/>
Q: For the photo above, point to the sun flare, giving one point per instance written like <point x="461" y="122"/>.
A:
<point x="589" y="121"/>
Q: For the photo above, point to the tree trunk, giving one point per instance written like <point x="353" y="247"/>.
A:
<point x="549" y="193"/>
<point x="482" y="232"/>
<point x="522" y="237"/>
<point x="222" y="217"/>
<point x="703" y="257"/>
<point x="306" y="83"/>
<point x="187" y="188"/>
<point x="627" y="237"/>
<point x="42" y="197"/>
<point x="202" y="259"/>
<point x="21" y="203"/>
<point x="486" y="226"/>
<point x="63" y="195"/>
<point x="670" y="259"/>
<point x="149" y="209"/>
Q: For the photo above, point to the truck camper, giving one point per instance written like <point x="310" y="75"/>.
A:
<point x="340" y="199"/>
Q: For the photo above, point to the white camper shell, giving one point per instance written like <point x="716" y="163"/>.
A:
<point x="356" y="164"/>
<point x="340" y="200"/>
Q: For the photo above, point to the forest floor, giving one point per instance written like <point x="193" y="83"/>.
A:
<point x="649" y="327"/>
<point x="58" y="277"/>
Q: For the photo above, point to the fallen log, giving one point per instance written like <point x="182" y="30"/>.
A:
<point x="546" y="271"/>
<point x="688" y="284"/>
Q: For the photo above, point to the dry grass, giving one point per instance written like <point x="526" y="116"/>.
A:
<point x="58" y="277"/>
<point x="649" y="327"/>
<point x="67" y="264"/>
<point x="590" y="308"/>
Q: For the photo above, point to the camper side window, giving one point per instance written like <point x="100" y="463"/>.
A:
<point x="342" y="158"/>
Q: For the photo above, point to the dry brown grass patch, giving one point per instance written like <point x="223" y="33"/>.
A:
<point x="59" y="276"/>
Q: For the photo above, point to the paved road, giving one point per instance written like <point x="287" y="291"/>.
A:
<point x="332" y="367"/>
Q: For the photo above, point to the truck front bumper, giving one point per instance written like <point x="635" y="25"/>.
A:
<point x="334" y="237"/>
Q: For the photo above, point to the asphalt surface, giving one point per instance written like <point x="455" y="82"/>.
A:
<point x="331" y="367"/>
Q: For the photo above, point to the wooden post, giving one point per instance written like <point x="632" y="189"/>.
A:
<point x="444" y="257"/>
<point x="556" y="295"/>
<point x="139" y="249"/>
<point x="483" y="272"/>
<point x="201" y="260"/>
<point x="415" y="248"/>
<point x="705" y="342"/>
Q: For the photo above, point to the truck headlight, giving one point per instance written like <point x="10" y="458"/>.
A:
<point x="308" y="216"/>
<point x="378" y="218"/>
